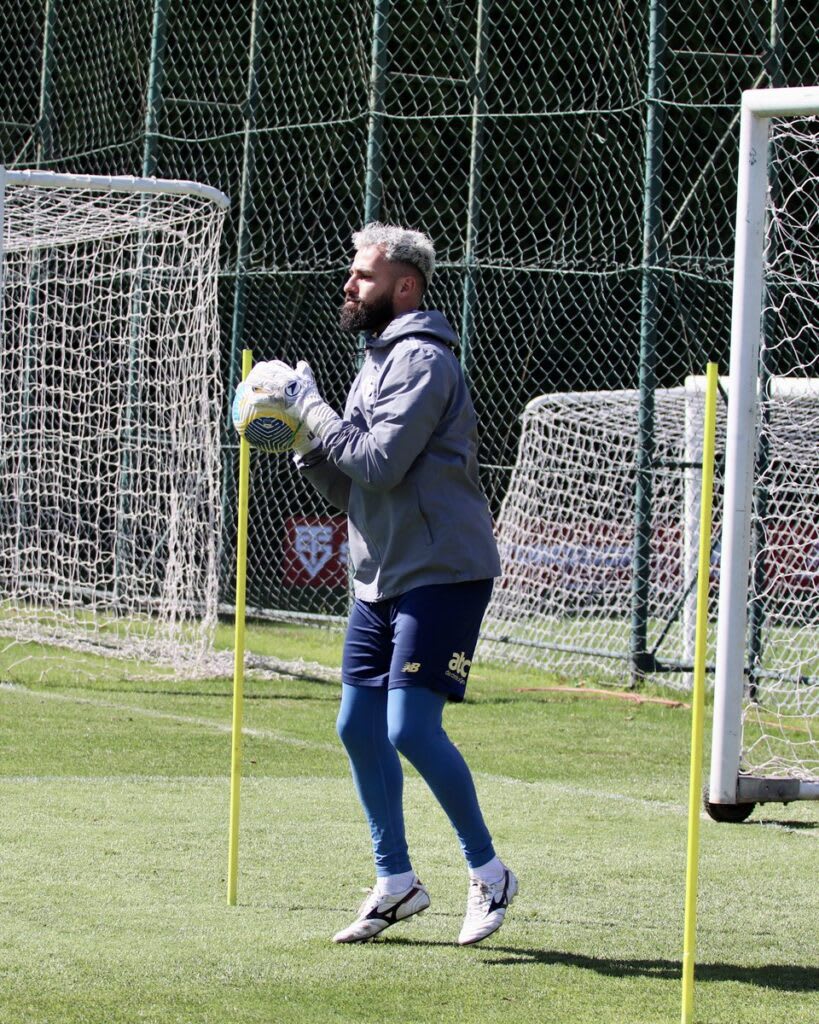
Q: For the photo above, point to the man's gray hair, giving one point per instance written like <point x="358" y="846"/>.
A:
<point x="398" y="244"/>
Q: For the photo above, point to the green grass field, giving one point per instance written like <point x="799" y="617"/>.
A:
<point x="114" y="860"/>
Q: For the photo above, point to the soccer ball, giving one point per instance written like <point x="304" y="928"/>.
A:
<point x="267" y="431"/>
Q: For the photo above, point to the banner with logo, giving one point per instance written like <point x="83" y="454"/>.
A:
<point x="315" y="551"/>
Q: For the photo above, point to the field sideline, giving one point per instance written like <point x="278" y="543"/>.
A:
<point x="114" y="858"/>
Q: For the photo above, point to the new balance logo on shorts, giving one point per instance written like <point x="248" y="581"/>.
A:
<point x="411" y="666"/>
<point x="459" y="664"/>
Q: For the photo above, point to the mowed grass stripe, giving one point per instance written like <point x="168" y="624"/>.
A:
<point x="198" y="722"/>
<point x="116" y="911"/>
<point x="279" y="737"/>
<point x="113" y="906"/>
<point x="544" y="786"/>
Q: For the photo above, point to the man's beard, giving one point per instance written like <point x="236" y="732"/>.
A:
<point x="366" y="316"/>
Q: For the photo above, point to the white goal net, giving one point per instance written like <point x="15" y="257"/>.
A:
<point x="566" y="535"/>
<point x="110" y="513"/>
<point x="781" y="707"/>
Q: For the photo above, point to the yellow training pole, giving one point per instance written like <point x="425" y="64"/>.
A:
<point x="238" y="654"/>
<point x="698" y="701"/>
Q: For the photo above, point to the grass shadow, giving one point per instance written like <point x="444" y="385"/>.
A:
<point x="785" y="977"/>
<point x="780" y="823"/>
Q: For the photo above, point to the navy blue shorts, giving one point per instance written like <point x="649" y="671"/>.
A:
<point x="425" y="637"/>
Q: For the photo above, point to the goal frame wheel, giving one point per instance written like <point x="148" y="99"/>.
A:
<point x="733" y="814"/>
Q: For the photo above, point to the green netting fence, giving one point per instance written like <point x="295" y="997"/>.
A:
<point x="574" y="163"/>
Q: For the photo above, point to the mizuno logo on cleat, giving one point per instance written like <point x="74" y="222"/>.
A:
<point x="503" y="901"/>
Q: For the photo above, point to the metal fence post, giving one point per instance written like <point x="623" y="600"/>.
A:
<point x="45" y="138"/>
<point x="649" y="315"/>
<point x="245" y="202"/>
<point x="478" y="86"/>
<point x="156" y="79"/>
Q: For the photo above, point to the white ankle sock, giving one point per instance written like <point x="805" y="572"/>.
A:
<point x="392" y="885"/>
<point x="490" y="872"/>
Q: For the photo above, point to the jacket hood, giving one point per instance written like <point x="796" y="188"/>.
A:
<point x="416" y="323"/>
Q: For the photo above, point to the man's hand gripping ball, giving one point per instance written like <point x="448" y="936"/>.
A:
<point x="274" y="392"/>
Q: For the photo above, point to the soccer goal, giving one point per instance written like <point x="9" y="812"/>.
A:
<point x="110" y="413"/>
<point x="566" y="536"/>
<point x="766" y="700"/>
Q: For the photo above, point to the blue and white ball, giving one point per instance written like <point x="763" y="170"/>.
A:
<point x="262" y="429"/>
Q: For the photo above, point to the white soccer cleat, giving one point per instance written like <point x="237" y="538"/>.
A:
<point x="486" y="907"/>
<point x="378" y="912"/>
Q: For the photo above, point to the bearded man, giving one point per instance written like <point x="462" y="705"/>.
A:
<point x="402" y="463"/>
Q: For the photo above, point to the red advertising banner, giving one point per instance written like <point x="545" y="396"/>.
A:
<point x="590" y="561"/>
<point x="595" y="559"/>
<point x="315" y="551"/>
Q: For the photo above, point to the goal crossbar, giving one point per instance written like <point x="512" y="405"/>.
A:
<point x="114" y="183"/>
<point x="767" y="103"/>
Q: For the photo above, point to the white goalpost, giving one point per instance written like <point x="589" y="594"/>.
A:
<point x="766" y="701"/>
<point x="110" y="414"/>
<point x="566" y="527"/>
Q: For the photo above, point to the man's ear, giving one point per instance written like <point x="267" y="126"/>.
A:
<point x="408" y="287"/>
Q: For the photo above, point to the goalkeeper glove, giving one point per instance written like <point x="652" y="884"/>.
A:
<point x="274" y="387"/>
<point x="260" y="392"/>
<point x="301" y="397"/>
<point x="304" y="442"/>
<point x="266" y="380"/>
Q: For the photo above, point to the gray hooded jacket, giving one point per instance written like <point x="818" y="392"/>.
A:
<point x="403" y="464"/>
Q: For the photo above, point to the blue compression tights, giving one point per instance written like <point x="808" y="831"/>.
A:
<point x="374" y="724"/>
